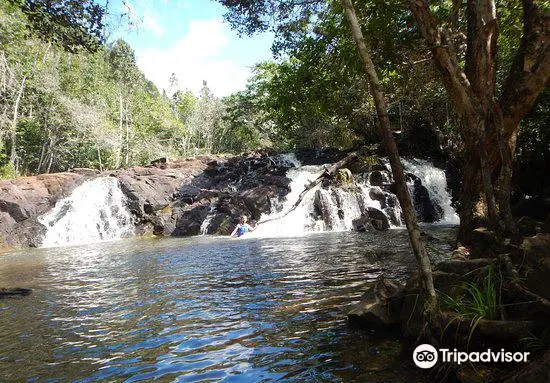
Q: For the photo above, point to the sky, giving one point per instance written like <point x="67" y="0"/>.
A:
<point x="191" y="39"/>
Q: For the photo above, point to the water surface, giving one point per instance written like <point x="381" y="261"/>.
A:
<point x="202" y="309"/>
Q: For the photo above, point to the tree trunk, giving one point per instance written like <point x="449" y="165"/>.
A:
<point x="120" y="130"/>
<point x="127" y="151"/>
<point x="386" y="134"/>
<point x="13" y="153"/>
<point x="489" y="128"/>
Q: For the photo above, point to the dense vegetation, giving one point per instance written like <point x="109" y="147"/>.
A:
<point x="69" y="99"/>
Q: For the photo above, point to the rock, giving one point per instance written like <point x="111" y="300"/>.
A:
<point x="362" y="224"/>
<point x="160" y="162"/>
<point x="379" y="195"/>
<point x="24" y="199"/>
<point x="258" y="199"/>
<point x="425" y="209"/>
<point x="190" y="221"/>
<point x="151" y="189"/>
<point x="13" y="292"/>
<point x="379" y="178"/>
<point x="460" y="253"/>
<point x="378" y="219"/>
<point x="344" y="176"/>
<point x="484" y="243"/>
<point x="380" y="307"/>
<point x="536" y="371"/>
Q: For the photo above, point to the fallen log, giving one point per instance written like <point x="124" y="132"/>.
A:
<point x="328" y="172"/>
<point x="488" y="329"/>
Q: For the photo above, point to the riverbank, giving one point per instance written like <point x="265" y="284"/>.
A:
<point x="492" y="295"/>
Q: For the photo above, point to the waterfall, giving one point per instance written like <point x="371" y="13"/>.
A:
<point x="335" y="208"/>
<point x="206" y="223"/>
<point x="435" y="181"/>
<point x="95" y="211"/>
<point x="300" y="220"/>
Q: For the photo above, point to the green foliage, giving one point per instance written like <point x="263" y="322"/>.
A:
<point x="476" y="300"/>
<point x="71" y="24"/>
<point x="85" y="109"/>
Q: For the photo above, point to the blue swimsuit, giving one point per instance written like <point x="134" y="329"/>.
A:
<point x="242" y="230"/>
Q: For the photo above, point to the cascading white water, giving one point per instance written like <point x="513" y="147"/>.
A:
<point x="95" y="211"/>
<point x="342" y="206"/>
<point x="435" y="181"/>
<point x="300" y="220"/>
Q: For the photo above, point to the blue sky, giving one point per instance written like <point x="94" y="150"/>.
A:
<point x="189" y="38"/>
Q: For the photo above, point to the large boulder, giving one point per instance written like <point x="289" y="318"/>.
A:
<point x="426" y="209"/>
<point x="191" y="219"/>
<point x="258" y="199"/>
<point x="378" y="219"/>
<point x="380" y="306"/>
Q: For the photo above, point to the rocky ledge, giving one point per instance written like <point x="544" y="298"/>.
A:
<point x="176" y="197"/>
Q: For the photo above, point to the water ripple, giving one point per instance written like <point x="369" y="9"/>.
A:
<point x="201" y="309"/>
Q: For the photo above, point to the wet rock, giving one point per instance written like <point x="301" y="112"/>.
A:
<point x="378" y="219"/>
<point x="258" y="199"/>
<point x="24" y="199"/>
<point x="362" y="224"/>
<point x="380" y="196"/>
<point x="190" y="221"/>
<point x="380" y="307"/>
<point x="426" y="210"/>
<point x="379" y="178"/>
<point x="344" y="176"/>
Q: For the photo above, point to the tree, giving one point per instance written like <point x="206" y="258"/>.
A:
<point x="71" y="24"/>
<point x="490" y="121"/>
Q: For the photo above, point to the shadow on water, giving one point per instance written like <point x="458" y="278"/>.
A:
<point x="203" y="309"/>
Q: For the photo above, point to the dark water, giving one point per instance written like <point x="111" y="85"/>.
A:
<point x="202" y="309"/>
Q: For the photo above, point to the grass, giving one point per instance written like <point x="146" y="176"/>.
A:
<point x="476" y="301"/>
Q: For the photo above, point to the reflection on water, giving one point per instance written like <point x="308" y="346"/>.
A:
<point x="201" y="309"/>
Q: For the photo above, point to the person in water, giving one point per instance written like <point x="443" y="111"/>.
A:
<point x="242" y="228"/>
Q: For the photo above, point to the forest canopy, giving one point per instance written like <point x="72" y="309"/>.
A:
<point x="71" y="99"/>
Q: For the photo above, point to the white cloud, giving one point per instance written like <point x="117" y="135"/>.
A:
<point x="194" y="58"/>
<point x="150" y="23"/>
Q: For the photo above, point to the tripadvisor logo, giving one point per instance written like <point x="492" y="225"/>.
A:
<point x="426" y="356"/>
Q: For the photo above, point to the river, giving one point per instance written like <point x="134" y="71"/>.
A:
<point x="203" y="309"/>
